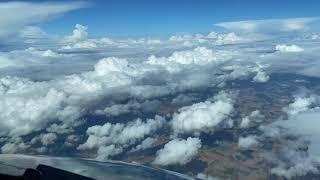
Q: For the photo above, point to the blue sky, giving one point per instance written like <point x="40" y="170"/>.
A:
<point x="145" y="17"/>
<point x="123" y="18"/>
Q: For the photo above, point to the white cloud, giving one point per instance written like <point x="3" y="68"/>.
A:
<point x="64" y="100"/>
<point x="57" y="104"/>
<point x="32" y="34"/>
<point x="288" y="48"/>
<point x="294" y="163"/>
<point x="301" y="154"/>
<point x="26" y="114"/>
<point x="204" y="116"/>
<point x="81" y="45"/>
<point x="305" y="125"/>
<point x="200" y="56"/>
<point x="255" y="116"/>
<point x="42" y="150"/>
<point x="120" y="135"/>
<point x="14" y="147"/>
<point x="300" y="165"/>
<point x="59" y="129"/>
<point x="44" y="53"/>
<point x="118" y="109"/>
<point x="261" y="76"/>
<point x="180" y="38"/>
<point x="243" y="70"/>
<point x="213" y="38"/>
<point x="34" y="105"/>
<point x="301" y="103"/>
<point x="104" y="152"/>
<point x="228" y="38"/>
<point x="109" y="65"/>
<point x="79" y="39"/>
<point x="248" y="141"/>
<point x="269" y="25"/>
<point x="67" y="98"/>
<point x="72" y="140"/>
<point x="79" y="34"/>
<point x="301" y="168"/>
<point x="178" y="151"/>
<point x="30" y="58"/>
<point x="5" y="62"/>
<point x="49" y="138"/>
<point x="297" y="24"/>
<point x="114" y="86"/>
<point x="145" y="144"/>
<point x="45" y="139"/>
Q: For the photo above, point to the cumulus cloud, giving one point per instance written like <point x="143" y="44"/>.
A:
<point x="255" y="116"/>
<point x="304" y="125"/>
<point x="45" y="139"/>
<point x="203" y="116"/>
<point x="79" y="33"/>
<point x="228" y="38"/>
<point x="288" y="48"/>
<point x="243" y="70"/>
<point x="17" y="146"/>
<point x="247" y="142"/>
<point x="30" y="114"/>
<point x="143" y="77"/>
<point x="300" y="156"/>
<point x="49" y="138"/>
<point x="301" y="103"/>
<point x="119" y="135"/>
<point x="138" y="80"/>
<point x="261" y="76"/>
<point x="72" y="140"/>
<point x="80" y="40"/>
<point x="68" y="98"/>
<point x="199" y="56"/>
<point x="299" y="164"/>
<point x="104" y="152"/>
<point x="118" y="109"/>
<point x="178" y="151"/>
<point x="55" y="100"/>
<point x="145" y="144"/>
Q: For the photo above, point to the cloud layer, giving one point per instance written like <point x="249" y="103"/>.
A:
<point x="107" y="98"/>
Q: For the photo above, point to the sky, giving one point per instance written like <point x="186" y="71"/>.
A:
<point x="161" y="18"/>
